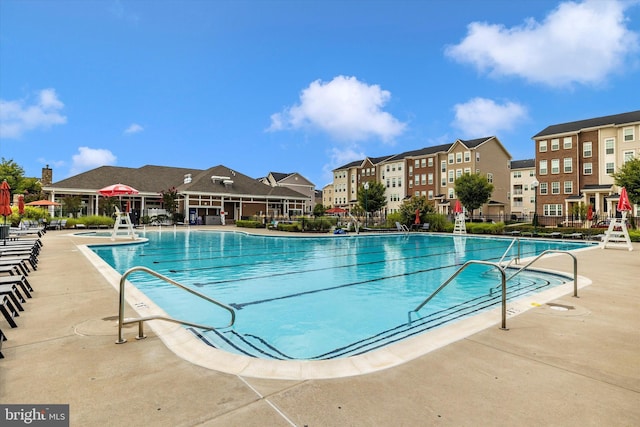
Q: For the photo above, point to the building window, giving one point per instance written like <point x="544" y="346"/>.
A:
<point x="555" y="144"/>
<point x="451" y="158"/>
<point x="443" y="182"/>
<point x="430" y="195"/>
<point x="543" y="167"/>
<point x="451" y="176"/>
<point x="542" y="147"/>
<point x="423" y="162"/>
<point x="609" y="145"/>
<point x="430" y="160"/>
<point x="458" y="157"/>
<point x="568" y="187"/>
<point x="610" y="167"/>
<point x="555" y="187"/>
<point x="587" y="168"/>
<point x="489" y="177"/>
<point x="467" y="156"/>
<point x="423" y="179"/>
<point x="430" y="179"/>
<point x="555" y="166"/>
<point x="410" y="170"/>
<point x="517" y="174"/>
<point x="458" y="173"/>
<point x="443" y="166"/>
<point x="626" y="156"/>
<point x="416" y="163"/>
<point x="544" y="188"/>
<point x="467" y="171"/>
<point x="568" y="165"/>
<point x="532" y="173"/>
<point x="552" y="210"/>
<point x="566" y="143"/>
<point x="628" y="134"/>
<point x="586" y="149"/>
<point x="451" y="193"/>
<point x="410" y="183"/>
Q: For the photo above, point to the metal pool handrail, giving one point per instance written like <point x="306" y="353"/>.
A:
<point x="454" y="275"/>
<point x="141" y="320"/>
<point x="575" y="267"/>
<point x="517" y="257"/>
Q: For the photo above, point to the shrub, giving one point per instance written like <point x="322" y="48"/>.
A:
<point x="438" y="222"/>
<point x="248" y="223"/>
<point x="485" y="228"/>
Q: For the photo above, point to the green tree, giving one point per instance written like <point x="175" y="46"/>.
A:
<point x="72" y="205"/>
<point x="473" y="190"/>
<point x="408" y="209"/>
<point x="170" y="200"/>
<point x="319" y="209"/>
<point x="373" y="198"/>
<point x="628" y="176"/>
<point x="106" y="205"/>
<point x="12" y="172"/>
<point x="579" y="210"/>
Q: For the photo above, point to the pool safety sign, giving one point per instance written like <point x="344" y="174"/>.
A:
<point x="34" y="415"/>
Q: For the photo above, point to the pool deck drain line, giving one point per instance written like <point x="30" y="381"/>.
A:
<point x="273" y="405"/>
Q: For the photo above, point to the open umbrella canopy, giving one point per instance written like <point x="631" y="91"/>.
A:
<point x="43" y="203"/>
<point x="5" y="199"/>
<point x="458" y="207"/>
<point x="623" y="201"/>
<point x="117" y="190"/>
<point x="21" y="205"/>
<point x="335" y="210"/>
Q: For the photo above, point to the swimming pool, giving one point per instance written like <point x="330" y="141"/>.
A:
<point x="323" y="298"/>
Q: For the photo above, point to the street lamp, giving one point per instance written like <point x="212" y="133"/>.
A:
<point x="534" y="186"/>
<point x="366" y="194"/>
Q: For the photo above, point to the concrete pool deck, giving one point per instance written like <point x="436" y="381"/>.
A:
<point x="579" y="366"/>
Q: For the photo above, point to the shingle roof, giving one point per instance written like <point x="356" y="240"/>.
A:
<point x="523" y="164"/>
<point x="614" y="120"/>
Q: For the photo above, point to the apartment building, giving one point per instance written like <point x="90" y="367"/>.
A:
<point x="575" y="162"/>
<point x="431" y="172"/>
<point x="523" y="184"/>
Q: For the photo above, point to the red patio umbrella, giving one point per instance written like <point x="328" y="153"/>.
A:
<point x="623" y="201"/>
<point x="335" y="210"/>
<point x="417" y="221"/>
<point x="5" y="200"/>
<point x="458" y="207"/>
<point x="590" y="213"/>
<point x="21" y="205"/>
<point x="117" y="190"/>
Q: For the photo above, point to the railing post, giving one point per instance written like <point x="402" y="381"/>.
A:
<point x="504" y="299"/>
<point x="121" y="313"/>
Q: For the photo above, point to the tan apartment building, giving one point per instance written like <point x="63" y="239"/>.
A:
<point x="294" y="181"/>
<point x="431" y="172"/>
<point x="523" y="184"/>
<point x="575" y="162"/>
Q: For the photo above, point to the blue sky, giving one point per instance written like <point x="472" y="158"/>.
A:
<point x="300" y="86"/>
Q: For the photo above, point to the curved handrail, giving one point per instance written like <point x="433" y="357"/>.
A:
<point x="140" y="320"/>
<point x="575" y="267"/>
<point x="517" y="257"/>
<point x="463" y="267"/>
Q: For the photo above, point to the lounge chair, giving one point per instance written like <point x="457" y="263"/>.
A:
<point x="8" y="311"/>
<point x="3" y="338"/>
<point x="425" y="227"/>
<point x="20" y="280"/>
<point x="14" y="294"/>
<point x="20" y="264"/>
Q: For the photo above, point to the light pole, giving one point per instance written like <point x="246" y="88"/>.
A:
<point x="534" y="186"/>
<point x="366" y="194"/>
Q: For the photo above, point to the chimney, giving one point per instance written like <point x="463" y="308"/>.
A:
<point x="47" y="176"/>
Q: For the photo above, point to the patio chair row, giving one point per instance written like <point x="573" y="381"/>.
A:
<point x="17" y="259"/>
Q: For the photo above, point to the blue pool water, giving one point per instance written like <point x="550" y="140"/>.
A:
<point x="323" y="298"/>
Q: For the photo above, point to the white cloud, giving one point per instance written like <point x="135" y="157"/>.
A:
<point x="576" y="43"/>
<point x="344" y="108"/>
<point x="90" y="158"/>
<point x="18" y="117"/>
<point x="480" y="117"/>
<point x="133" y="128"/>
<point x="339" y="157"/>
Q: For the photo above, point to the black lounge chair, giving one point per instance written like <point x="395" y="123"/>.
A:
<point x="13" y="292"/>
<point x="20" y="280"/>
<point x="8" y="311"/>
<point x="3" y="338"/>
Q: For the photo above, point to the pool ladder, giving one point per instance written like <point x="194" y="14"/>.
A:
<point x="503" y="279"/>
<point x="141" y="320"/>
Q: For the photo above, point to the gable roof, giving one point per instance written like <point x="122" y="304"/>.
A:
<point x="236" y="184"/>
<point x="613" y="120"/>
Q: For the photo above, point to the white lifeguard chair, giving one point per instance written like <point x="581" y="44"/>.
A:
<point x="460" y="226"/>
<point x="123" y="225"/>
<point x="617" y="235"/>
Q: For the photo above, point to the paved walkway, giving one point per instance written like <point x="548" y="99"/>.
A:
<point x="578" y="367"/>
